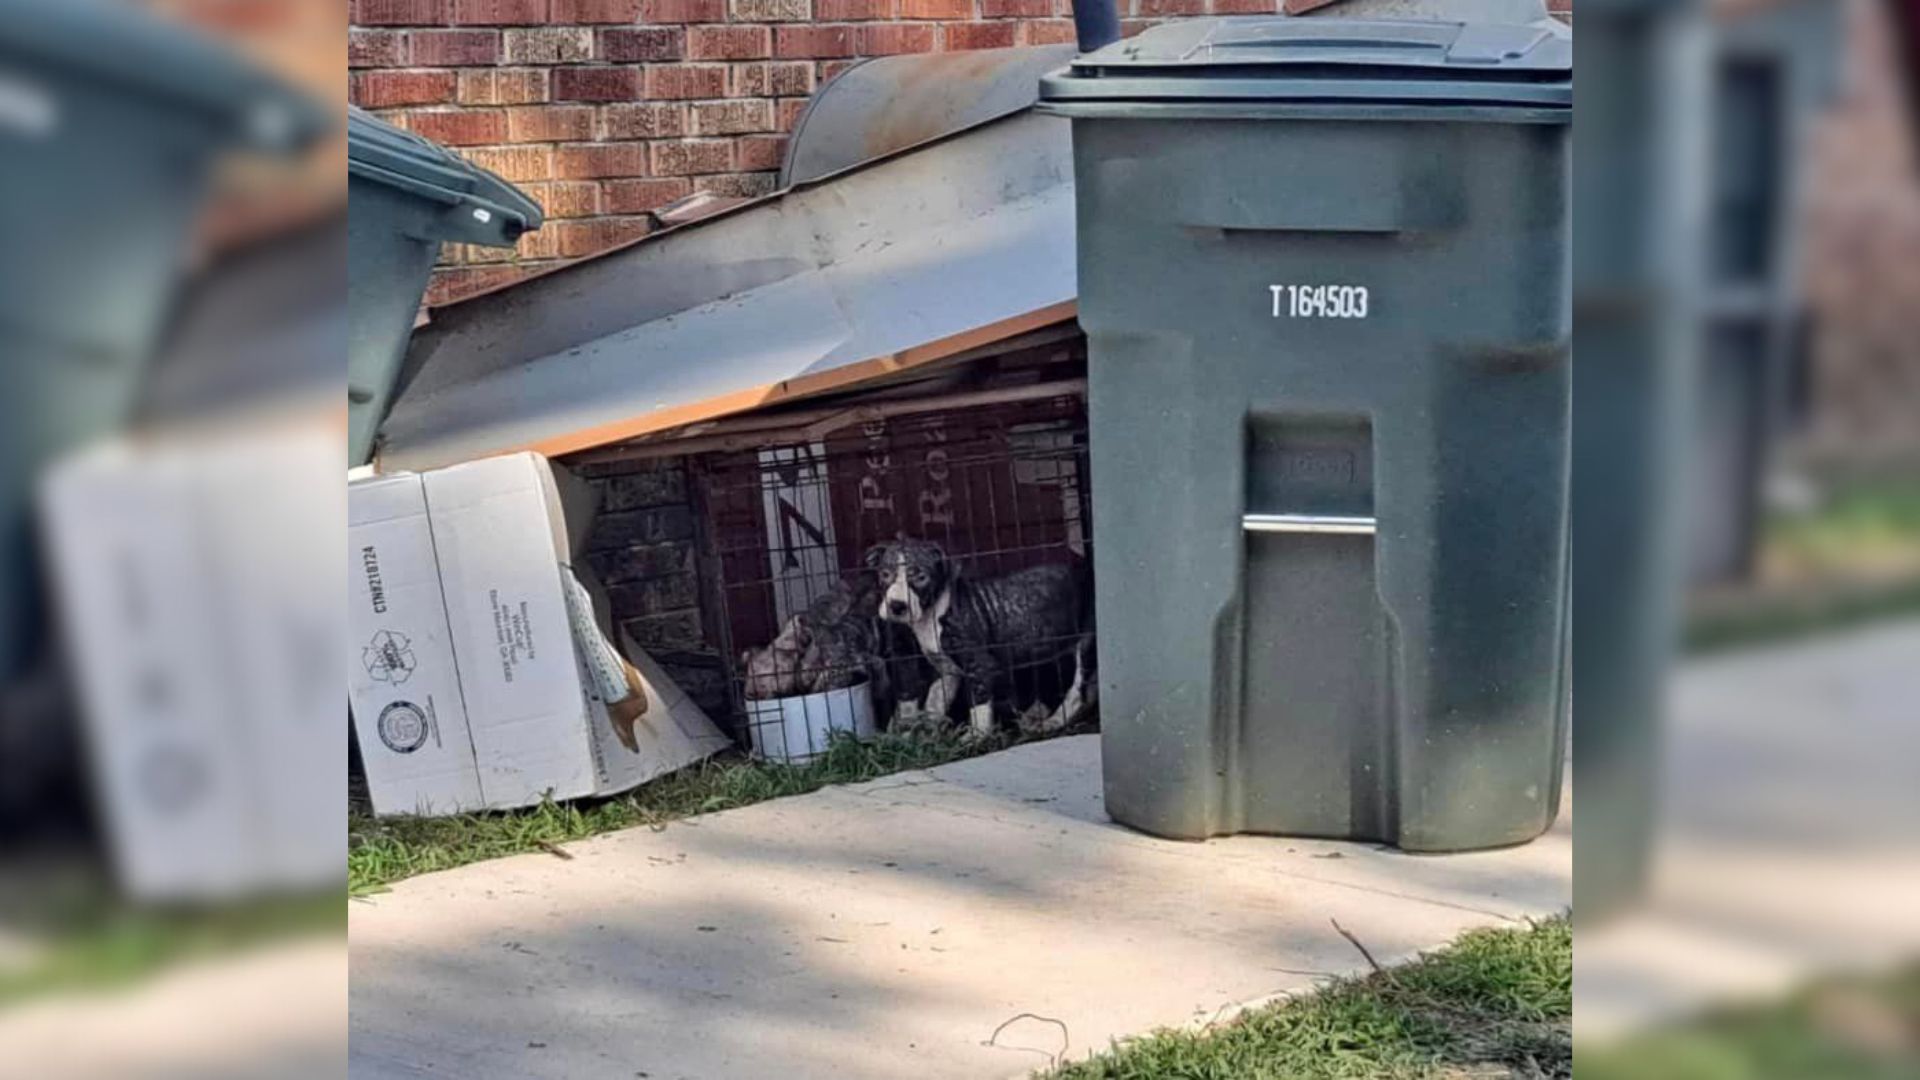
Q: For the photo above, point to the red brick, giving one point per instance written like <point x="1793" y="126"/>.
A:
<point x="478" y="88"/>
<point x="465" y="128"/>
<point x="687" y="81"/>
<point x="831" y="69"/>
<point x="375" y="48"/>
<point x="259" y="16"/>
<point x="382" y="89"/>
<point x="757" y="152"/>
<point x="640" y="196"/>
<point x="515" y="163"/>
<point x="1047" y="32"/>
<point x="456" y="254"/>
<point x="683" y="11"/>
<point x="896" y="38"/>
<point x="789" y="79"/>
<point x="1160" y="9"/>
<point x="815" y="41"/>
<point x="739" y="186"/>
<point x="644" y="120"/>
<point x="506" y="86"/>
<point x="852" y="10"/>
<point x="1130" y="27"/>
<point x="936" y="9"/>
<point x="453" y="48"/>
<point x="596" y="84"/>
<point x="732" y="117"/>
<point x="590" y="237"/>
<point x="994" y="35"/>
<point x="746" y="11"/>
<point x="1299" y="7"/>
<point x="729" y="42"/>
<point x="564" y="199"/>
<point x="688" y="156"/>
<point x="589" y="161"/>
<point x="400" y="12"/>
<point x="536" y="245"/>
<point x="642" y="44"/>
<point x="595" y="11"/>
<point x="549" y="45"/>
<point x="1245" y="7"/>
<point x="787" y="112"/>
<point x="550" y="123"/>
<point x="451" y="285"/>
<point x="542" y="243"/>
<point x="499" y="12"/>
<point x="1015" y="9"/>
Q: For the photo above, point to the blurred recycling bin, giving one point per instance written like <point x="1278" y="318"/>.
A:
<point x="1639" y="294"/>
<point x="110" y="123"/>
<point x="1323" y="269"/>
<point x="408" y="195"/>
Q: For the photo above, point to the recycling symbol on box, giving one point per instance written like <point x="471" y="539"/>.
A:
<point x="389" y="658"/>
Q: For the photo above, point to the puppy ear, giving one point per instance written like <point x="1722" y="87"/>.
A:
<point x="874" y="555"/>
<point x="802" y="630"/>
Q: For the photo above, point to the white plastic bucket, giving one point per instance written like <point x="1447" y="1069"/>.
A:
<point x="796" y="729"/>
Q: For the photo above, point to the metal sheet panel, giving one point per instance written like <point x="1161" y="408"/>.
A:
<point x="882" y="106"/>
<point x="897" y="263"/>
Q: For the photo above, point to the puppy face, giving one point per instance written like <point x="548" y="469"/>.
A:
<point x="911" y="575"/>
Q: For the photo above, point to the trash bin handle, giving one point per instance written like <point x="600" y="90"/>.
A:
<point x="1308" y="523"/>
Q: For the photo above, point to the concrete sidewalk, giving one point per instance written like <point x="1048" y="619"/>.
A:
<point x="1787" y="840"/>
<point x="888" y="929"/>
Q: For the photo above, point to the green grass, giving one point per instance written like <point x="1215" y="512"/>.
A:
<point x="1787" y="615"/>
<point x="385" y="850"/>
<point x="1858" y="1029"/>
<point x="80" y="937"/>
<point x="1864" y="526"/>
<point x="1854" y="559"/>
<point x="1495" y="1003"/>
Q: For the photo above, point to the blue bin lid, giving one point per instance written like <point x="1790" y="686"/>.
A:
<point x="479" y="207"/>
<point x="163" y="63"/>
<point x="1330" y="60"/>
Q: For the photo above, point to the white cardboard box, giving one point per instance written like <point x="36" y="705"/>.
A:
<point x="473" y="684"/>
<point x="192" y="581"/>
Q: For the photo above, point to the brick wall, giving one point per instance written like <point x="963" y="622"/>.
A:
<point x="1862" y="222"/>
<point x="604" y="110"/>
<point x="642" y="549"/>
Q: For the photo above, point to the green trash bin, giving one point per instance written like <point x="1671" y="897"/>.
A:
<point x="407" y="196"/>
<point x="1323" y="270"/>
<point x="110" y="123"/>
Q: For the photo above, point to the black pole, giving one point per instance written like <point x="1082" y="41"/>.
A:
<point x="1096" y="23"/>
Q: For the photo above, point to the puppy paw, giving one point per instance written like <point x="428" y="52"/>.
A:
<point x="979" y="723"/>
<point x="910" y="719"/>
<point x="1035" y="720"/>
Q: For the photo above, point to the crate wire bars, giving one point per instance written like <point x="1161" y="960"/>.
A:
<point x="786" y="531"/>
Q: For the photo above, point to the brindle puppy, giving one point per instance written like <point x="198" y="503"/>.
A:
<point x="837" y="642"/>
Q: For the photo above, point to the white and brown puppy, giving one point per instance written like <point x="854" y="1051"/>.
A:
<point x="980" y="632"/>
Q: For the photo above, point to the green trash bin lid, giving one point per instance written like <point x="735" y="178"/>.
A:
<point x="1327" y="60"/>
<point x="479" y="207"/>
<point x="163" y="63"/>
